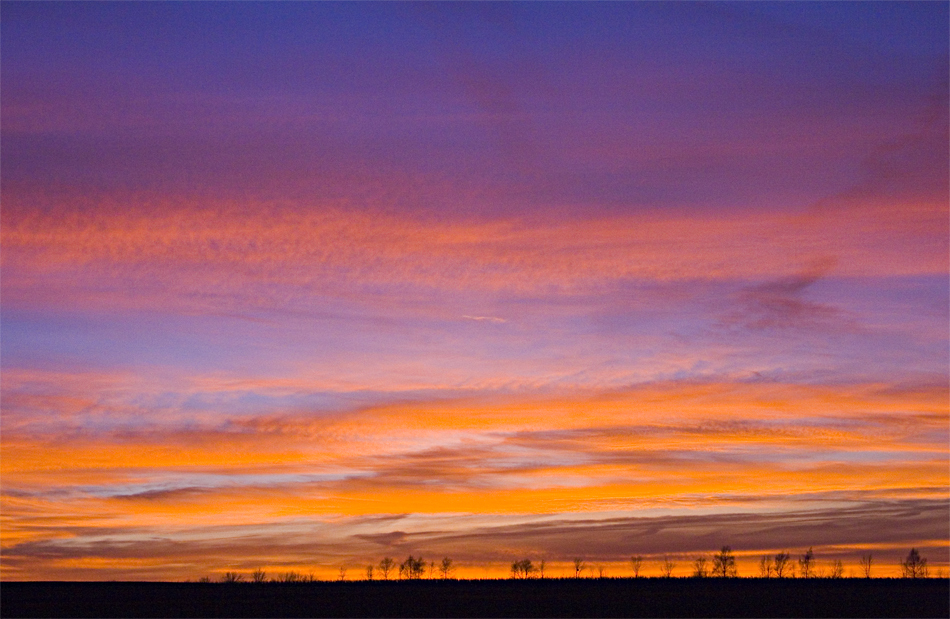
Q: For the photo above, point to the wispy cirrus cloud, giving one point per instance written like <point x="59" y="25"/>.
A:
<point x="207" y="257"/>
<point x="501" y="451"/>
<point x="487" y="272"/>
<point x="483" y="545"/>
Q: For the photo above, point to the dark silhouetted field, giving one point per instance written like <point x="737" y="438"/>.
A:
<point x="487" y="598"/>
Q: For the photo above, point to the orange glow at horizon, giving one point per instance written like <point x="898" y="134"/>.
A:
<point x="493" y="282"/>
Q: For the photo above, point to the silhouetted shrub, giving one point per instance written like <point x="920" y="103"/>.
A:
<point x="636" y="562"/>
<point x="578" y="567"/>
<point x="837" y="569"/>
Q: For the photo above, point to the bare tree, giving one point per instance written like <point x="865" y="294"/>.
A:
<point x="636" y="562"/>
<point x="806" y="563"/>
<point x="522" y="569"/>
<point x="578" y="567"/>
<point x="765" y="567"/>
<point x="204" y="579"/>
<point x="446" y="567"/>
<point x="667" y="567"/>
<point x="369" y="572"/>
<point x="412" y="568"/>
<point x="782" y="564"/>
<point x="914" y="566"/>
<point x="386" y="566"/>
<point x="700" y="569"/>
<point x="601" y="571"/>
<point x="866" y="565"/>
<point x="419" y="569"/>
<point x="837" y="569"/>
<point x="231" y="577"/>
<point x="724" y="563"/>
<point x="259" y="575"/>
<point x="342" y="572"/>
<point x="541" y="568"/>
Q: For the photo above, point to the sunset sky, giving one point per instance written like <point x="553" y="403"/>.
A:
<point x="299" y="286"/>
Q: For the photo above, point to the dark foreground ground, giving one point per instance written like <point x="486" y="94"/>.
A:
<point x="645" y="597"/>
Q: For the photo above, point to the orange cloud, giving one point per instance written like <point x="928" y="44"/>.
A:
<point x="212" y="253"/>
<point x="510" y="453"/>
<point x="679" y="446"/>
<point x="484" y="546"/>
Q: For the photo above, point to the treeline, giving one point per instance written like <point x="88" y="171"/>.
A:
<point x="719" y="565"/>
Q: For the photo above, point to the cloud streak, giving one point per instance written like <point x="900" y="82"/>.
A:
<point x="493" y="281"/>
<point x="483" y="546"/>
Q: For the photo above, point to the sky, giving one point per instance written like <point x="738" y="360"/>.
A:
<point x="298" y="286"/>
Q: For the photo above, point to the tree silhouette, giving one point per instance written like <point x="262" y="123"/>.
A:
<point x="636" y="562"/>
<point x="667" y="567"/>
<point x="386" y="566"/>
<point x="782" y="565"/>
<point x="431" y="569"/>
<point x="601" y="571"/>
<point x="866" y="565"/>
<point x="541" y="568"/>
<point x="578" y="567"/>
<point x="445" y="568"/>
<point x="765" y="566"/>
<point x="700" y="570"/>
<point x="914" y="566"/>
<point x="412" y="568"/>
<point x="837" y="569"/>
<point x="259" y="575"/>
<point x="369" y="572"/>
<point x="522" y="569"/>
<point x="724" y="563"/>
<point x="418" y="569"/>
<point x="231" y="577"/>
<point x="342" y="572"/>
<point x="805" y="563"/>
